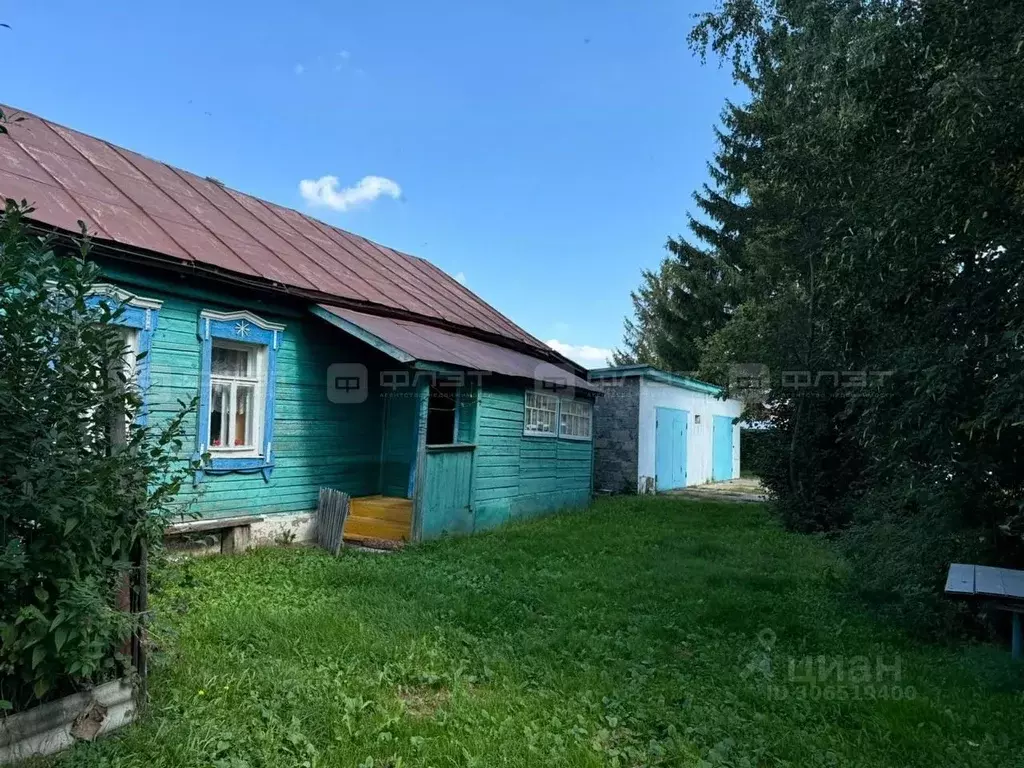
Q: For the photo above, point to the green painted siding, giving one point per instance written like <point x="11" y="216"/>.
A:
<point x="316" y="442"/>
<point x="519" y="476"/>
<point x="446" y="492"/>
<point x="512" y="476"/>
<point x="363" y="449"/>
<point x="399" y="443"/>
<point x="465" y="409"/>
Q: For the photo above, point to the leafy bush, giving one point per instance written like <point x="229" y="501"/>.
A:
<point x="881" y="246"/>
<point x="898" y="561"/>
<point x="82" y="485"/>
<point x="755" y="447"/>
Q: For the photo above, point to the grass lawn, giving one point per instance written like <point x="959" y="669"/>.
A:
<point x="638" y="632"/>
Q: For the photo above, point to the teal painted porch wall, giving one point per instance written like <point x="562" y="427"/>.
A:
<point x="518" y="476"/>
<point x="465" y="412"/>
<point x="512" y="477"/>
<point x="446" y="493"/>
<point x="316" y="443"/>
<point x="400" y="431"/>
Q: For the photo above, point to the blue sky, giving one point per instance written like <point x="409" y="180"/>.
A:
<point x="543" y="150"/>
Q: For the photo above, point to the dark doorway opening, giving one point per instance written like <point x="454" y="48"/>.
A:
<point x="441" y="415"/>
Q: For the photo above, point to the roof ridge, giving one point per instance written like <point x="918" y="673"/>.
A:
<point x="425" y="289"/>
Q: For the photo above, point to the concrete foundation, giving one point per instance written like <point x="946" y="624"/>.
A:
<point x="283" y="529"/>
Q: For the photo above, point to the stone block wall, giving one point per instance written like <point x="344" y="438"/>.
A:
<point x="616" y="435"/>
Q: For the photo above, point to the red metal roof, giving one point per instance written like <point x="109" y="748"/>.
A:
<point x="128" y="199"/>
<point x="436" y="345"/>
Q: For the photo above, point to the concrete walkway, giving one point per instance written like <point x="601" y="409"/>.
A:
<point x="740" y="489"/>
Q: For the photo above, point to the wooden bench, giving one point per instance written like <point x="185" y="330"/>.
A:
<point x="1002" y="584"/>
<point x="235" y="532"/>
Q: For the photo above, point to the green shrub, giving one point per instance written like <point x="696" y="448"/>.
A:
<point x="82" y="485"/>
<point x="755" y="448"/>
<point x="879" y="161"/>
<point x="899" y="561"/>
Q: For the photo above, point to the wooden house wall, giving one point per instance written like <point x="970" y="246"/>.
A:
<point x="517" y="476"/>
<point x="316" y="443"/>
<point x="505" y="475"/>
<point x="400" y="436"/>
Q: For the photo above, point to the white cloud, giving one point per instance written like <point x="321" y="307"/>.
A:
<point x="299" y="69"/>
<point x="344" y="54"/>
<point x="461" y="278"/>
<point x="584" y="354"/>
<point x="324" y="191"/>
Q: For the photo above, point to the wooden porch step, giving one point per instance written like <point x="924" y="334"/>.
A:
<point x="382" y="508"/>
<point x="359" y="527"/>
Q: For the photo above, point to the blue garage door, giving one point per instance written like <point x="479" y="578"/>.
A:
<point x="721" y="448"/>
<point x="671" y="431"/>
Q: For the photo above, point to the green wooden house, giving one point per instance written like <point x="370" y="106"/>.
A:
<point x="320" y="358"/>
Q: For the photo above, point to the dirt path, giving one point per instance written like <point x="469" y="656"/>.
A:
<point x="740" y="489"/>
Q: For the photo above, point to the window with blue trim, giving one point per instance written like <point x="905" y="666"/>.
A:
<point x="138" y="317"/>
<point x="236" y="392"/>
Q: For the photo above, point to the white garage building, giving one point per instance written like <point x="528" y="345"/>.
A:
<point x="656" y="431"/>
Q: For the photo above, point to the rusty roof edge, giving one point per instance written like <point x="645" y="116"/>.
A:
<point x="356" y="328"/>
<point x="57" y="184"/>
<point x="543" y="352"/>
<point x="116" y="250"/>
<point x="453" y="285"/>
<point x="362" y="334"/>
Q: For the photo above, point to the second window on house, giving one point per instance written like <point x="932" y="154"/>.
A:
<point x="237" y="387"/>
<point x="541" y="414"/>
<point x="575" y="419"/>
<point x="551" y="416"/>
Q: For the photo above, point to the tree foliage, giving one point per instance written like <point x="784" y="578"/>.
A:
<point x="691" y="295"/>
<point x="82" y="485"/>
<point x="882" y="254"/>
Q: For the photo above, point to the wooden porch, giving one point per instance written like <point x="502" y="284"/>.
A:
<point x="384" y="518"/>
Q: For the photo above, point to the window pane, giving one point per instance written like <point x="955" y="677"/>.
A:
<point x="540" y="412"/>
<point x="231" y="362"/>
<point x="220" y="399"/>
<point x="576" y="419"/>
<point x="130" y="344"/>
<point x="245" y="398"/>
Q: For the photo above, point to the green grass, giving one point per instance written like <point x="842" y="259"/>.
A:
<point x="633" y="633"/>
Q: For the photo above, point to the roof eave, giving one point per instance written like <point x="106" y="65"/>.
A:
<point x="138" y="255"/>
<point x="422" y="363"/>
<point x="655" y="374"/>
